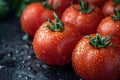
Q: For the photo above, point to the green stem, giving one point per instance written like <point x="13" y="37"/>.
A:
<point x="84" y="7"/>
<point x="99" y="42"/>
<point x="50" y="6"/>
<point x="57" y="26"/>
<point x="116" y="16"/>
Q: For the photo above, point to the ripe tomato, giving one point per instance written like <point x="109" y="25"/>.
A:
<point x="62" y="4"/>
<point x="33" y="16"/>
<point x="108" y="8"/>
<point x="110" y="26"/>
<point x="98" y="3"/>
<point x="54" y="42"/>
<point x="92" y="60"/>
<point x="85" y="17"/>
<point x="36" y="13"/>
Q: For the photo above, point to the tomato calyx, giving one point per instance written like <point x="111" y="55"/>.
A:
<point x="116" y="2"/>
<point x="116" y="16"/>
<point x="57" y="26"/>
<point x="84" y="7"/>
<point x="99" y="42"/>
<point x="50" y="6"/>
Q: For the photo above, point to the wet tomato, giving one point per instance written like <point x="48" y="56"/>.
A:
<point x="54" y="42"/>
<point x="84" y="16"/>
<point x="109" y="6"/>
<point x="111" y="26"/>
<point x="61" y="4"/>
<point x="96" y="58"/>
<point x="33" y="16"/>
<point x="37" y="13"/>
<point x="98" y="3"/>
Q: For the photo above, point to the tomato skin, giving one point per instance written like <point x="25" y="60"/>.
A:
<point x="86" y="23"/>
<point x="33" y="16"/>
<point x="98" y="3"/>
<point x="109" y="27"/>
<point x="55" y="48"/>
<point x="63" y="4"/>
<point x="108" y="8"/>
<point x="96" y="64"/>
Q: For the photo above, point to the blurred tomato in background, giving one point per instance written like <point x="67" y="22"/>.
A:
<point x="13" y="8"/>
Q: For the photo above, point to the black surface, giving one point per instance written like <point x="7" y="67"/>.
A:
<point x="17" y="59"/>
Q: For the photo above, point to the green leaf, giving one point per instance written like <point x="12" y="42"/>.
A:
<point x="3" y="8"/>
<point x="19" y="5"/>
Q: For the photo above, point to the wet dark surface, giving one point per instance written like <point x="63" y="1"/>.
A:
<point x="17" y="59"/>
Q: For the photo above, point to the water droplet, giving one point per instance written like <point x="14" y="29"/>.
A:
<point x="26" y="46"/>
<point x="14" y="58"/>
<point x="45" y="66"/>
<point x="25" y="37"/>
<point x="29" y="57"/>
<point x="29" y="68"/>
<point x="19" y="76"/>
<point x="117" y="25"/>
<point x="9" y="55"/>
<point x="26" y="78"/>
<point x="43" y="51"/>
<point x="23" y="62"/>
<point x="17" y="51"/>
<point x="1" y="66"/>
<point x="46" y="31"/>
<point x="38" y="65"/>
<point x="18" y="68"/>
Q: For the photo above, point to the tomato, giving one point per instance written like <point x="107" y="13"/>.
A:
<point x="108" y="8"/>
<point x="54" y="42"/>
<point x="92" y="60"/>
<point x="37" y="13"/>
<point x="110" y="26"/>
<point x="85" y="17"/>
<point x="33" y="16"/>
<point x="98" y="3"/>
<point x="62" y="4"/>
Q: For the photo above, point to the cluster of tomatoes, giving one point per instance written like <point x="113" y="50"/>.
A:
<point x="84" y="32"/>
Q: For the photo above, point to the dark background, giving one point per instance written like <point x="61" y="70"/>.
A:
<point x="17" y="59"/>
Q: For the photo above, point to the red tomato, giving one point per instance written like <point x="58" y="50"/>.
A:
<point x="108" y="8"/>
<point x="98" y="3"/>
<point x="54" y="46"/>
<point x="108" y="26"/>
<point x="63" y="4"/>
<point x="92" y="60"/>
<point x="33" y="16"/>
<point x="36" y="13"/>
<point x="86" y="21"/>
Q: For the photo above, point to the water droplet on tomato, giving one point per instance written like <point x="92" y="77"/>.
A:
<point x="46" y="31"/>
<point x="118" y="25"/>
